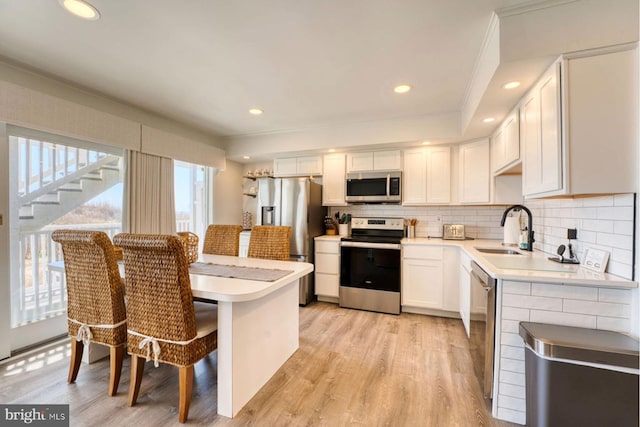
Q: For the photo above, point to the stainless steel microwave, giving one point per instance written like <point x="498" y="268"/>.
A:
<point x="374" y="187"/>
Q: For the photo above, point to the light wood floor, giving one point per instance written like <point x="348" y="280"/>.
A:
<point x="352" y="368"/>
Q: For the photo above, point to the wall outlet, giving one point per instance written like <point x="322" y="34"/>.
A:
<point x="572" y="233"/>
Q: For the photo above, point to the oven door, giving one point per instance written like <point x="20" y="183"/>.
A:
<point x="370" y="266"/>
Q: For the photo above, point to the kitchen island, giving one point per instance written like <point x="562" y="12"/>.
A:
<point x="257" y="325"/>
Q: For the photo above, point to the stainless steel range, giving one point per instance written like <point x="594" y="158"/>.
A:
<point x="370" y="265"/>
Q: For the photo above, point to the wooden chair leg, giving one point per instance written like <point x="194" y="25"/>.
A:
<point x="186" y="384"/>
<point x="116" y="357"/>
<point x="137" y="368"/>
<point x="77" y="348"/>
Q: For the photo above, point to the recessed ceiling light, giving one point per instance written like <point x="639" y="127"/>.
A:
<point x="332" y="150"/>
<point x="246" y="157"/>
<point x="511" y="85"/>
<point x="81" y="9"/>
<point x="426" y="142"/>
<point x="256" y="111"/>
<point x="488" y="120"/>
<point x="402" y="89"/>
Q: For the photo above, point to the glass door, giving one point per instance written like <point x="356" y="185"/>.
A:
<point x="54" y="183"/>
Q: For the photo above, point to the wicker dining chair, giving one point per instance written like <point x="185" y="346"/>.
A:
<point x="222" y="240"/>
<point x="162" y="323"/>
<point x="270" y="242"/>
<point x="95" y="300"/>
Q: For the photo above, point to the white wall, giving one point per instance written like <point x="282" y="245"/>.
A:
<point x="227" y="207"/>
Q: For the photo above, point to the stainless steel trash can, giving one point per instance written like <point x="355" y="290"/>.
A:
<point x="580" y="377"/>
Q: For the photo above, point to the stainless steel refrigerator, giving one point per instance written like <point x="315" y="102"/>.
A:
<point x="296" y="202"/>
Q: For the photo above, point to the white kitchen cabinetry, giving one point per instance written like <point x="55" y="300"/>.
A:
<point x="505" y="145"/>
<point x="579" y="130"/>
<point x="474" y="172"/>
<point x="374" y="161"/>
<point x="465" y="290"/>
<point x="427" y="176"/>
<point x="298" y="166"/>
<point x="327" y="268"/>
<point x="451" y="278"/>
<point x="333" y="180"/>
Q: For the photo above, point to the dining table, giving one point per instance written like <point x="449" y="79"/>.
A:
<point x="258" y="319"/>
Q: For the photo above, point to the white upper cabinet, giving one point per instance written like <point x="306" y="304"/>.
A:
<point x="578" y="127"/>
<point x="333" y="180"/>
<point x="505" y="144"/>
<point x="427" y="176"/>
<point x="297" y="166"/>
<point x="474" y="172"/>
<point x="374" y="161"/>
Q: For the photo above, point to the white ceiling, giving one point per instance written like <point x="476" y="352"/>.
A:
<point x="308" y="64"/>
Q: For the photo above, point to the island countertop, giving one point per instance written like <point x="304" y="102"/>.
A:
<point x="236" y="290"/>
<point x="528" y="266"/>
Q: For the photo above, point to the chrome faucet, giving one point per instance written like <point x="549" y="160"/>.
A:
<point x="516" y="208"/>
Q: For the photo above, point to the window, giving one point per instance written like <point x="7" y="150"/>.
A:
<point x="56" y="183"/>
<point x="193" y="185"/>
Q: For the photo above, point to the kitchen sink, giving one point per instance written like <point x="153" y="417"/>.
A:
<point x="500" y="251"/>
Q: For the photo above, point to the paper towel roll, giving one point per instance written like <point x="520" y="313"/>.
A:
<point x="512" y="229"/>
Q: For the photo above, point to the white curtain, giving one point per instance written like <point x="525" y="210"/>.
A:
<point x="149" y="205"/>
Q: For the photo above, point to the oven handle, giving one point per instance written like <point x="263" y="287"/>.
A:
<point x="371" y="245"/>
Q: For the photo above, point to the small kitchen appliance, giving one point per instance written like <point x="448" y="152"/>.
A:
<point x="453" y="232"/>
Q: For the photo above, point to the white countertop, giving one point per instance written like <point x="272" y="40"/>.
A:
<point x="236" y="290"/>
<point x="529" y="266"/>
<point x="328" y="237"/>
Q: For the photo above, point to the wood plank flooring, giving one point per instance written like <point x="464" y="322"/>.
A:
<point x="352" y="368"/>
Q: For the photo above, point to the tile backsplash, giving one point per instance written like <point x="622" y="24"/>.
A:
<point x="603" y="222"/>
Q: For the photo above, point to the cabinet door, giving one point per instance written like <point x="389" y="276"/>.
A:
<point x="530" y="138"/>
<point x="438" y="175"/>
<point x="327" y="263"/>
<point x="285" y="167"/>
<point x="387" y="160"/>
<point x="550" y="135"/>
<point x="414" y="182"/>
<point x="422" y="283"/>
<point x="359" y="162"/>
<point x="498" y="149"/>
<point x="465" y="297"/>
<point x="451" y="280"/>
<point x="474" y="172"/>
<point x="333" y="180"/>
<point x="310" y="165"/>
<point x="511" y="138"/>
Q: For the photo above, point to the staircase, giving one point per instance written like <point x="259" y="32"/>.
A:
<point x="60" y="179"/>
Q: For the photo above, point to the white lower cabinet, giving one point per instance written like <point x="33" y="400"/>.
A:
<point x="465" y="290"/>
<point x="429" y="278"/>
<point x="327" y="268"/>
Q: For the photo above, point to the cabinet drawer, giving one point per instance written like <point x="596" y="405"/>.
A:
<point x="327" y="263"/>
<point x="327" y="247"/>
<point x="422" y="252"/>
<point x="327" y="285"/>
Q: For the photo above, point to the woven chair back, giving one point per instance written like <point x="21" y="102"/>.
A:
<point x="94" y="287"/>
<point x="270" y="242"/>
<point x="222" y="240"/>
<point x="159" y="298"/>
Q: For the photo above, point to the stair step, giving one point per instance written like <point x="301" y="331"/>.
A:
<point x="26" y="216"/>
<point x="45" y="202"/>
<point x="92" y="177"/>
<point x="110" y="167"/>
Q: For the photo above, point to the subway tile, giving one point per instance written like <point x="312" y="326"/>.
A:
<point x="511" y="352"/>
<point x="509" y="402"/>
<point x="598" y="201"/>
<point x="623" y="227"/>
<point x="511" y="326"/>
<point x="513" y="390"/>
<point x="513" y="313"/>
<point x="619" y="269"/>
<point x="518" y="417"/>
<point x="623" y="199"/>
<point x="622" y="256"/>
<point x="614" y="324"/>
<point x="616" y="213"/>
<point x="512" y="287"/>
<point x="587" y="236"/>
<point x="621" y="296"/>
<point x="525" y="301"/>
<point x="512" y="339"/>
<point x="514" y="378"/>
<point x="564" y="291"/>
<point x="601" y="225"/>
<point x="512" y="365"/>
<point x="615" y="240"/>
<point x="568" y="319"/>
<point x="596" y="308"/>
<point x="585" y="213"/>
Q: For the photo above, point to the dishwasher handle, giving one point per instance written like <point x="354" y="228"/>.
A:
<point x="482" y="276"/>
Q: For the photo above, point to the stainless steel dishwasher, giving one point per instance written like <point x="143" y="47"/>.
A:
<point x="482" y="331"/>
